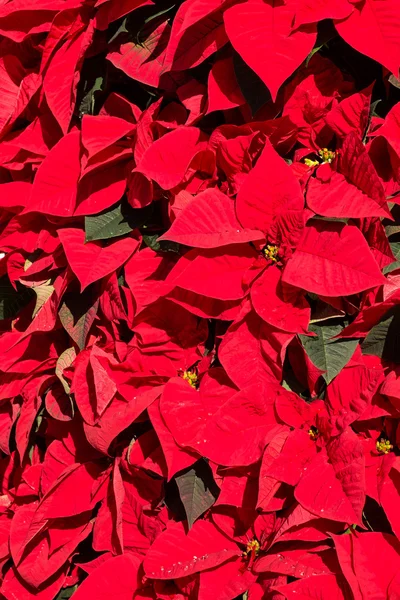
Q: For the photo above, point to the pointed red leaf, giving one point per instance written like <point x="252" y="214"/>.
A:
<point x="333" y="259"/>
<point x="279" y="304"/>
<point x="258" y="30"/>
<point x="215" y="273"/>
<point x="268" y="190"/>
<point x="176" y="554"/>
<point x="55" y="187"/>
<point x="118" y="577"/>
<point x="90" y="262"/>
<point x="339" y="198"/>
<point x="168" y="158"/>
<point x="378" y="21"/>
<point x="209" y="221"/>
<point x="223" y="89"/>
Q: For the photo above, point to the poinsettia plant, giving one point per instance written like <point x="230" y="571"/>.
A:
<point x="199" y="299"/>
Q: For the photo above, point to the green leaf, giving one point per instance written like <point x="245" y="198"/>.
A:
<point x="43" y="293"/>
<point x="197" y="490"/>
<point x="392" y="230"/>
<point x="77" y="314"/>
<point x="372" y="113"/>
<point x="323" y="312"/>
<point x="152" y="242"/>
<point x="394" y="81"/>
<point x="333" y="219"/>
<point x="159" y="14"/>
<point x="121" y="29"/>
<point x="64" y="361"/>
<point x="66" y="593"/>
<point x="116" y="222"/>
<point x="350" y="529"/>
<point x="395" y="246"/>
<point x="384" y="340"/>
<point x="87" y="104"/>
<point x="11" y="300"/>
<point x="328" y="354"/>
<point x="314" y="51"/>
<point x="325" y="34"/>
<point x="164" y="246"/>
<point x="254" y="90"/>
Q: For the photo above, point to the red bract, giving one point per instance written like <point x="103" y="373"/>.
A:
<point x="199" y="299"/>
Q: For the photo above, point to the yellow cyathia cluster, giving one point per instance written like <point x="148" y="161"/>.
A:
<point x="326" y="155"/>
<point x="384" y="446"/>
<point x="311" y="163"/>
<point x="271" y="252"/>
<point x="313" y="432"/>
<point x="252" y="547"/>
<point x="191" y="377"/>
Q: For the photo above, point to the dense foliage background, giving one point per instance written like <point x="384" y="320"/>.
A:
<point x="199" y="299"/>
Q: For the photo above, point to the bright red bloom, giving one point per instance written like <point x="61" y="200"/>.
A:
<point x="199" y="299"/>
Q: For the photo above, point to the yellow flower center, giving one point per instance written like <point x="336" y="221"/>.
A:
<point x="311" y="163"/>
<point x="313" y="432"/>
<point x="191" y="378"/>
<point x="271" y="252"/>
<point x="252" y="547"/>
<point x="384" y="446"/>
<point x="326" y="155"/>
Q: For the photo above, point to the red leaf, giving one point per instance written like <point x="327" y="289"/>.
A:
<point x="299" y="563"/>
<point x="369" y="562"/>
<point x="352" y="113"/>
<point x="13" y="587"/>
<point x="257" y="30"/>
<point x="335" y="489"/>
<point x="92" y="385"/>
<point x="209" y="221"/>
<point x="195" y="10"/>
<point x="388" y="490"/>
<point x="223" y="89"/>
<point x="176" y="554"/>
<point x="268" y="485"/>
<point x="61" y="93"/>
<point x="328" y="587"/>
<point x="90" y="262"/>
<point x="55" y="187"/>
<point x="228" y="581"/>
<point x="144" y="61"/>
<point x="62" y="500"/>
<point x="339" y="198"/>
<point x="45" y="561"/>
<point x="269" y="189"/>
<point x="312" y="11"/>
<point x="253" y="351"/>
<point x="335" y="259"/>
<point x="101" y="188"/>
<point x="167" y="159"/>
<point x="357" y="166"/>
<point x="110" y="11"/>
<point x="350" y="394"/>
<point x="191" y="45"/>
<point x="145" y="274"/>
<point x="118" y="577"/>
<point x="177" y="458"/>
<point x="214" y="273"/>
<point x="99" y="132"/>
<point x="280" y="305"/>
<point x="232" y="431"/>
<point x="14" y="194"/>
<point x="378" y="21"/>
